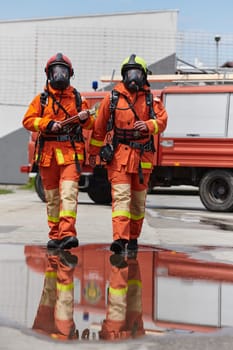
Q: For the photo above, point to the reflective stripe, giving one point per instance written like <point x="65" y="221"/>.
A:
<point x="70" y="213"/>
<point x="137" y="217"/>
<point x="121" y="213"/>
<point x="53" y="219"/>
<point x="146" y="165"/>
<point x="156" y="127"/>
<point x="36" y="124"/>
<point x="51" y="274"/>
<point x="135" y="283"/>
<point x="80" y="156"/>
<point x="122" y="291"/>
<point x="59" y="156"/>
<point x="65" y="287"/>
<point x="127" y="215"/>
<point x="97" y="143"/>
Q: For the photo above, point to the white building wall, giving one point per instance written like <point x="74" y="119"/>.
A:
<point x="95" y="44"/>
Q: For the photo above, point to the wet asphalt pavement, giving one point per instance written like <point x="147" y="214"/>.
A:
<point x="183" y="269"/>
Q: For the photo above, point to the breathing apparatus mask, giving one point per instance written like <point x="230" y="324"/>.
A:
<point x="134" y="79"/>
<point x="59" y="76"/>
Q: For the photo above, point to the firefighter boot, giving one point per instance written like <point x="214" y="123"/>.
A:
<point x="118" y="245"/>
<point x="68" y="242"/>
<point x="132" y="254"/>
<point x="118" y="260"/>
<point x="132" y="245"/>
<point x="68" y="259"/>
<point x="53" y="244"/>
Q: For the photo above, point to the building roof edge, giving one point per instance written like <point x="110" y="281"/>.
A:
<point x="85" y="16"/>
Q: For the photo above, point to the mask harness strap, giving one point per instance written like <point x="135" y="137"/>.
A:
<point x="136" y="145"/>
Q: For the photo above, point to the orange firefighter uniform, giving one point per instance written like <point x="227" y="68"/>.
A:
<point x="55" y="312"/>
<point x="124" y="307"/>
<point x="60" y="155"/>
<point x="133" y="158"/>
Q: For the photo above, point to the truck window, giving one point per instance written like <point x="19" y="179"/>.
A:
<point x="197" y="115"/>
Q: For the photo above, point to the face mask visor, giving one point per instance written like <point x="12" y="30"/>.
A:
<point x="134" y="79"/>
<point x="59" y="77"/>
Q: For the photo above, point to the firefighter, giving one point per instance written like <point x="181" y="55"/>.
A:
<point x="55" y="311"/>
<point x="59" y="150"/>
<point x="124" y="307"/>
<point x="133" y="117"/>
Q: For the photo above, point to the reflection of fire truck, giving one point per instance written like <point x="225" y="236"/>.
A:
<point x="196" y="148"/>
<point x="178" y="292"/>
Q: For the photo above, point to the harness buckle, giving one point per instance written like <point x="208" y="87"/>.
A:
<point x="136" y="145"/>
<point x="148" y="146"/>
<point x="136" y="134"/>
<point x="63" y="138"/>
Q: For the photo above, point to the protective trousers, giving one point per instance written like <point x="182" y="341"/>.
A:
<point x="128" y="203"/>
<point x="114" y="326"/>
<point x="55" y="312"/>
<point x="60" y="184"/>
<point x="134" y="299"/>
<point x="124" y="308"/>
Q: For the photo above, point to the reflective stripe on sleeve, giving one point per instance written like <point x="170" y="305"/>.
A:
<point x="36" y="124"/>
<point x="156" y="127"/>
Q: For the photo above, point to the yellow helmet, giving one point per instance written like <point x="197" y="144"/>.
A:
<point x="132" y="62"/>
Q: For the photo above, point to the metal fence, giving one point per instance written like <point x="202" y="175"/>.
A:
<point x="204" y="50"/>
<point x="22" y="59"/>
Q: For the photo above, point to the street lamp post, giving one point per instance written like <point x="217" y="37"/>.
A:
<point x="217" y="39"/>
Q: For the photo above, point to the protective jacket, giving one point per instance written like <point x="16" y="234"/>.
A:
<point x="38" y="118"/>
<point x="130" y="147"/>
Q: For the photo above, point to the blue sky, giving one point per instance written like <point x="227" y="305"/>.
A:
<point x="200" y="15"/>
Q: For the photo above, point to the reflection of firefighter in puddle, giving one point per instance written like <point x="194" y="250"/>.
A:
<point x="124" y="309"/>
<point x="55" y="312"/>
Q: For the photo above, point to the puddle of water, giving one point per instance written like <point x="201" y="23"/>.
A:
<point x="90" y="294"/>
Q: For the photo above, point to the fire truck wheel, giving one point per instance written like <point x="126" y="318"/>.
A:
<point x="216" y="190"/>
<point x="150" y="187"/>
<point x="99" y="189"/>
<point x="39" y="187"/>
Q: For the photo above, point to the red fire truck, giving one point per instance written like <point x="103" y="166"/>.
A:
<point x="196" y="149"/>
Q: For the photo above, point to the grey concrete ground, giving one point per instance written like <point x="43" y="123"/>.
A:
<point x="23" y="221"/>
